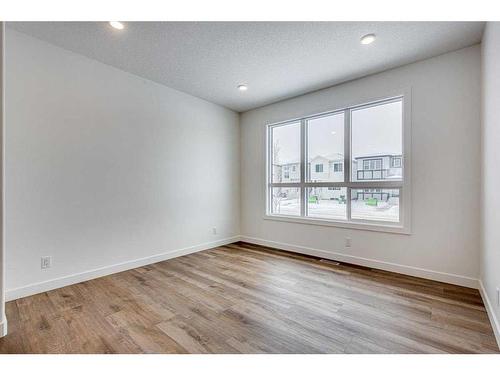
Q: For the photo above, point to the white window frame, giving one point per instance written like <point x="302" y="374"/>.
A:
<point x="404" y="186"/>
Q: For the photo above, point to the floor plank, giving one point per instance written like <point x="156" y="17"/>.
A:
<point x="244" y="298"/>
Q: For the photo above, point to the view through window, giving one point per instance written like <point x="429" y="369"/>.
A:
<point x="342" y="166"/>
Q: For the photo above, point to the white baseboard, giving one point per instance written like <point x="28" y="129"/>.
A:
<point x="386" y="266"/>
<point x="491" y="313"/>
<point x="3" y="327"/>
<point x="45" y="286"/>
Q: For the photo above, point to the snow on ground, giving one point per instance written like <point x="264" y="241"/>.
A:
<point x="332" y="209"/>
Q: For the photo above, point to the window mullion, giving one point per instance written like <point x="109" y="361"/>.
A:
<point x="377" y="184"/>
<point x="347" y="145"/>
<point x="348" y="204"/>
<point x="347" y="160"/>
<point x="303" y="167"/>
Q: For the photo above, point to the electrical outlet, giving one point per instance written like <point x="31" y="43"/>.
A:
<point x="214" y="230"/>
<point x="46" y="262"/>
<point x="348" y="242"/>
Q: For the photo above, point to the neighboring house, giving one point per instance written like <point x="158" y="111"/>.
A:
<point x="327" y="168"/>
<point x="329" y="193"/>
<point x="330" y="168"/>
<point x="290" y="172"/>
<point x="321" y="169"/>
<point x="386" y="195"/>
<point x="378" y="167"/>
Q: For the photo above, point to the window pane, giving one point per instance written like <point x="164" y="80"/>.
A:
<point x="286" y="153"/>
<point x="377" y="141"/>
<point x="375" y="204"/>
<point x="326" y="148"/>
<point x="327" y="202"/>
<point x="285" y="201"/>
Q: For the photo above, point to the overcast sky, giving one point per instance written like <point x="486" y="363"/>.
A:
<point x="375" y="130"/>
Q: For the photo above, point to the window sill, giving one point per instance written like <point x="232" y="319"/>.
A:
<point x="376" y="227"/>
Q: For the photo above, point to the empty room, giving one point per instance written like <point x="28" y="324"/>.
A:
<point x="250" y="187"/>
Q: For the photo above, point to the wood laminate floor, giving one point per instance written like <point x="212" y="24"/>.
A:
<point x="244" y="298"/>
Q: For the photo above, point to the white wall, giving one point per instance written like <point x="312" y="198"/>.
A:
<point x="105" y="168"/>
<point x="490" y="220"/>
<point x="445" y="170"/>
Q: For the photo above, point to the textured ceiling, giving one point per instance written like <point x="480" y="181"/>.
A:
<point x="277" y="60"/>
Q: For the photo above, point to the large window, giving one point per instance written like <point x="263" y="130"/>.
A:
<point x="348" y="167"/>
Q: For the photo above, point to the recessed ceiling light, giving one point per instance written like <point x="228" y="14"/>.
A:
<point x="368" y="39"/>
<point x="333" y="133"/>
<point x="117" y="25"/>
<point x="242" y="87"/>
